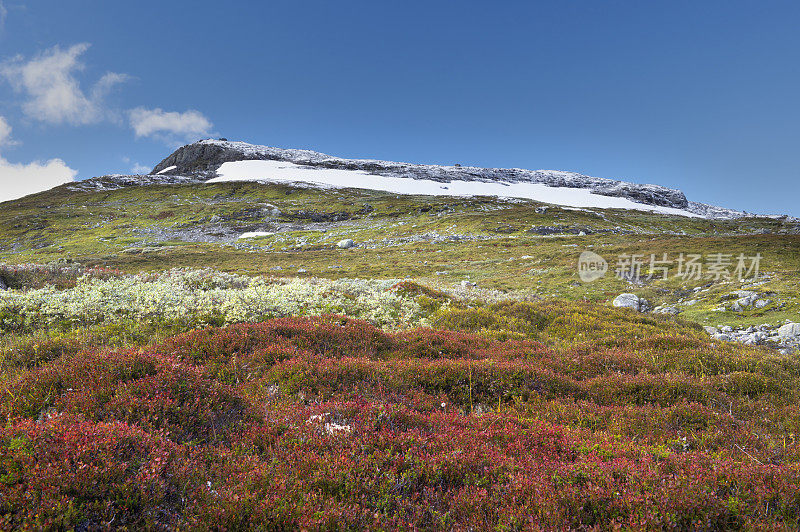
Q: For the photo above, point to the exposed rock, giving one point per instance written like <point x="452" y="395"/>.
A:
<point x="345" y="244"/>
<point x="116" y="181"/>
<point x="789" y="331"/>
<point x="468" y="284"/>
<point x="745" y="293"/>
<point x="784" y="338"/>
<point x="631" y="301"/>
<point x="761" y="303"/>
<point x="3" y="285"/>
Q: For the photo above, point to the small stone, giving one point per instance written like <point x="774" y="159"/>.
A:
<point x="761" y="303"/>
<point x="345" y="244"/>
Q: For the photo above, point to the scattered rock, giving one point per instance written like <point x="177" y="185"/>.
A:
<point x="783" y="338"/>
<point x="468" y="284"/>
<point x="345" y="244"/>
<point x="3" y="285"/>
<point x="745" y="293"/>
<point x="667" y="310"/>
<point x="631" y="301"/>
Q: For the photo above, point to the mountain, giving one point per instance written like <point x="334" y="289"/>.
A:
<point x="217" y="343"/>
<point x="216" y="160"/>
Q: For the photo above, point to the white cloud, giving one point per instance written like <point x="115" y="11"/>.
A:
<point x="169" y="126"/>
<point x="17" y="180"/>
<point x="5" y="132"/>
<point x="140" y="169"/>
<point x="3" y="13"/>
<point x="53" y="94"/>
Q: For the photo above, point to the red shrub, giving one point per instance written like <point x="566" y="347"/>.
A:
<point x="326" y="335"/>
<point x="65" y="472"/>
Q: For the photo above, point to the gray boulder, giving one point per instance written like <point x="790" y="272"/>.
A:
<point x="3" y="285"/>
<point x="711" y="330"/>
<point x="790" y="331"/>
<point x="631" y="301"/>
<point x="345" y="244"/>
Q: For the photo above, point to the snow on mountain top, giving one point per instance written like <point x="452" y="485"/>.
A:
<point x="204" y="159"/>
<point x="288" y="172"/>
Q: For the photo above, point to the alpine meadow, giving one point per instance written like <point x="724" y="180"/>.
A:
<point x="237" y="336"/>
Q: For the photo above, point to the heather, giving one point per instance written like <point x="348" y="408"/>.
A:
<point x="509" y="415"/>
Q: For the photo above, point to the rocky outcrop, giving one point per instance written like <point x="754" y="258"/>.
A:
<point x="202" y="159"/>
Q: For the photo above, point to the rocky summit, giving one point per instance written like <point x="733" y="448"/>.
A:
<point x="203" y="159"/>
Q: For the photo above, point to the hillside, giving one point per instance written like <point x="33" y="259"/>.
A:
<point x="229" y="345"/>
<point x="225" y="160"/>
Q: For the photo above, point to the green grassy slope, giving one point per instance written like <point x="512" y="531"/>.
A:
<point x="439" y="240"/>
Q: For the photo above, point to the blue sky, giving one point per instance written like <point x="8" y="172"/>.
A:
<point x="700" y="95"/>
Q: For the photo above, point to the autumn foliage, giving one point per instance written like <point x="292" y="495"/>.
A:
<point x="330" y="423"/>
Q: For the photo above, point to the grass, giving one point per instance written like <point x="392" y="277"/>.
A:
<point x="158" y="227"/>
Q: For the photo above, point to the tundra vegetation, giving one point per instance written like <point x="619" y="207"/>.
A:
<point x="153" y="381"/>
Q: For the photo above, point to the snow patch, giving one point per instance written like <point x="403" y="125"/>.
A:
<point x="167" y="169"/>
<point x="255" y="234"/>
<point x="288" y="172"/>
